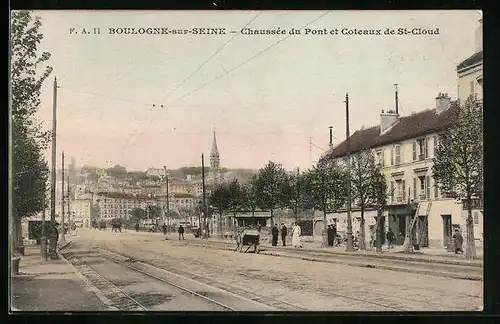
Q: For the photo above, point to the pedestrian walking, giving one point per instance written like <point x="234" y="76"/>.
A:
<point x="275" y="232"/>
<point x="137" y="227"/>
<point x="283" y="233"/>
<point x="296" y="236"/>
<point x="390" y="238"/>
<point x="164" y="229"/>
<point x="181" y="232"/>
<point x="458" y="241"/>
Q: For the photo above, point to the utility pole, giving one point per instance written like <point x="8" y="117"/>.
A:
<point x="396" y="98"/>
<point x="43" y="242"/>
<point x="63" y="239"/>
<point x="298" y="195"/>
<point x="330" y="144"/>
<point x="204" y="205"/>
<point x="350" y="247"/>
<point x="168" y="203"/>
<point x="69" y="211"/>
<point x="52" y="247"/>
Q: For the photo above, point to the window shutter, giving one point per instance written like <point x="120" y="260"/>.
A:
<point x="401" y="154"/>
<point x="392" y="155"/>
<point x="435" y="144"/>
<point x="414" y="150"/>
<point x="382" y="157"/>
<point x="427" y="145"/>
<point x="435" y="189"/>
<point x="415" y="188"/>
<point x="404" y="189"/>
<point x="428" y="187"/>
<point x="392" y="190"/>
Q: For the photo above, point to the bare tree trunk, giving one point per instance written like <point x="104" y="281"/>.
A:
<point x="220" y="225"/>
<point x="470" y="245"/>
<point x="407" y="243"/>
<point x="324" y="234"/>
<point x="380" y="231"/>
<point x="362" y="236"/>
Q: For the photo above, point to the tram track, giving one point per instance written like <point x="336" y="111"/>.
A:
<point x="274" y="302"/>
<point x="119" y="299"/>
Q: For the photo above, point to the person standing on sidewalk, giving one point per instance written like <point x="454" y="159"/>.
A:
<point x="164" y="229"/>
<point x="390" y="238"/>
<point x="283" y="233"/>
<point x="296" y="236"/>
<point x="458" y="241"/>
<point x="275" y="233"/>
<point x="329" y="233"/>
<point x="181" y="232"/>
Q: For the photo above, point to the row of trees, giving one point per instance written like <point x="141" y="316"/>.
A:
<point x="324" y="188"/>
<point x="29" y="139"/>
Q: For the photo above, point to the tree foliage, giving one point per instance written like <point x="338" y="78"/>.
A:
<point x="326" y="188"/>
<point x="220" y="197"/>
<point x="138" y="214"/>
<point x="117" y="171"/>
<point x="294" y="195"/>
<point x="368" y="186"/>
<point x="29" y="168"/>
<point x="271" y="184"/>
<point x="28" y="72"/>
<point x="29" y="173"/>
<point x="249" y="192"/>
<point x="458" y="164"/>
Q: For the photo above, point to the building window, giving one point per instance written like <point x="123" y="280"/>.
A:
<point x="436" y="143"/>
<point x="397" y="154"/>
<point x="380" y="157"/>
<point x="420" y="153"/>
<point x="476" y="218"/>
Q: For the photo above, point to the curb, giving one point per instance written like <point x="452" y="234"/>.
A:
<point x="383" y="267"/>
<point x="90" y="286"/>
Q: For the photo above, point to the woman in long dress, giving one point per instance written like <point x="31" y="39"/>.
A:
<point x="296" y="236"/>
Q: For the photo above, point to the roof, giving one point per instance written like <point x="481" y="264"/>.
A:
<point x="121" y="195"/>
<point x="425" y="122"/>
<point x="472" y="60"/>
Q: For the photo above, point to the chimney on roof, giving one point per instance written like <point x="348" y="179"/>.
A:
<point x="479" y="37"/>
<point x="396" y="97"/>
<point x="387" y="119"/>
<point x="443" y="102"/>
<point x="331" y="137"/>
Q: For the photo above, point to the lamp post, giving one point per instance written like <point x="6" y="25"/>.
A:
<point x="43" y="239"/>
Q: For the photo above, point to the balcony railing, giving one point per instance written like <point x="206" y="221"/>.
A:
<point x="475" y="203"/>
<point x="398" y="199"/>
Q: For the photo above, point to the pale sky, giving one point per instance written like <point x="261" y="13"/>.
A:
<point x="266" y="109"/>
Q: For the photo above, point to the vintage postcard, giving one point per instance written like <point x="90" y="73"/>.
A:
<point x="267" y="161"/>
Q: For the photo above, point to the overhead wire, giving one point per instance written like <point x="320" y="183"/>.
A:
<point x="193" y="73"/>
<point x="246" y="61"/>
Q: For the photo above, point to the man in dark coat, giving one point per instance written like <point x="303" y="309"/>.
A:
<point x="181" y="232"/>
<point x="283" y="233"/>
<point x="137" y="227"/>
<point x="275" y="233"/>
<point x="458" y="241"/>
<point x="329" y="234"/>
<point x="390" y="238"/>
<point x="164" y="229"/>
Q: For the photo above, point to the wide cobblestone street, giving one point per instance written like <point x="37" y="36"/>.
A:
<point x="297" y="284"/>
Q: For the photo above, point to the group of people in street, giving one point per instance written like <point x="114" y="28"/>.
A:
<point x="296" y="233"/>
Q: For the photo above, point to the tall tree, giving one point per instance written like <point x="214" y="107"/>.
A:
<point x="137" y="214"/>
<point x="220" y="199"/>
<point x="326" y="187"/>
<point x="117" y="171"/>
<point x="458" y="164"/>
<point x="294" y="195"/>
<point x="28" y="72"/>
<point x="365" y="192"/>
<point x="249" y="191"/>
<point x="380" y="192"/>
<point x="271" y="180"/>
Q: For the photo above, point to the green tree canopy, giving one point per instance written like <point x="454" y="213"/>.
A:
<point x="270" y="184"/>
<point x="118" y="171"/>
<point x="458" y="164"/>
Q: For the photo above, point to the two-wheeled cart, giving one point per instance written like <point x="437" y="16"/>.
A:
<point x="248" y="238"/>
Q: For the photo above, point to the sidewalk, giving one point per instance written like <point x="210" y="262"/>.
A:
<point x="425" y="254"/>
<point x="51" y="285"/>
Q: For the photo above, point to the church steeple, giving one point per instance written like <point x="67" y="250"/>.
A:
<point x="215" y="162"/>
<point x="215" y="150"/>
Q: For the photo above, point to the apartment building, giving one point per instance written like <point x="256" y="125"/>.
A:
<point x="405" y="148"/>
<point x="470" y="70"/>
<point x="81" y="212"/>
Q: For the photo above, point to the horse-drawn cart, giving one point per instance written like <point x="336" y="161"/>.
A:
<point x="248" y="237"/>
